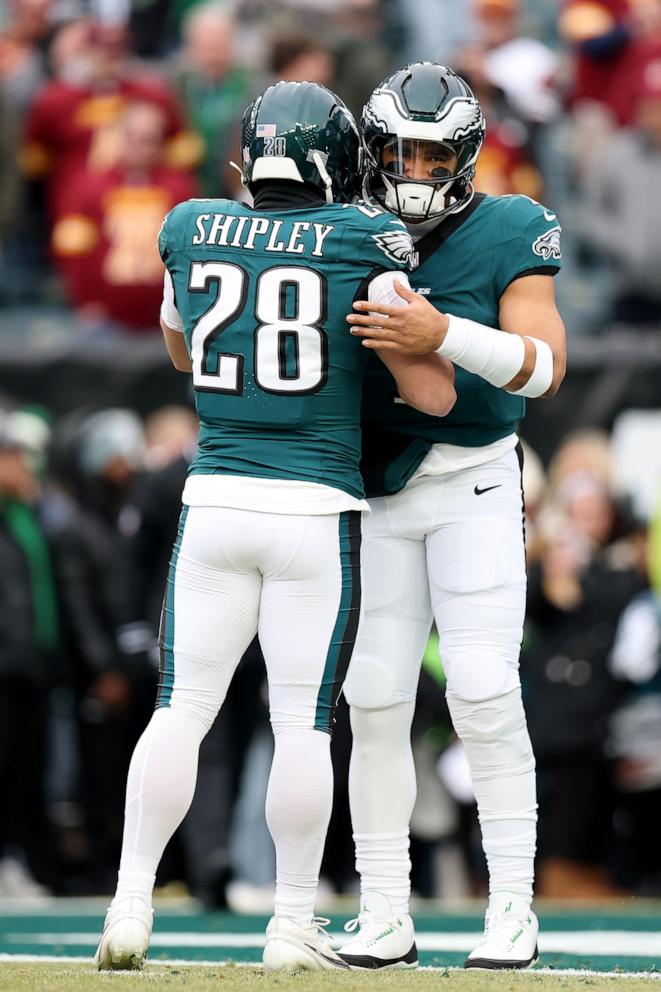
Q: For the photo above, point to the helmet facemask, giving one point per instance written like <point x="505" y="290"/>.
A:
<point x="420" y="178"/>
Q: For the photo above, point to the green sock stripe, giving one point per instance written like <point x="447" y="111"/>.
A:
<point x="166" y="632"/>
<point x="346" y="626"/>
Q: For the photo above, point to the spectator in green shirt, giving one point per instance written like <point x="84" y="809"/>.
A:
<point x="213" y="87"/>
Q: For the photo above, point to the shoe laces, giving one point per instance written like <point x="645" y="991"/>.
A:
<point x="320" y="923"/>
<point x="363" y="920"/>
<point x="366" y="921"/>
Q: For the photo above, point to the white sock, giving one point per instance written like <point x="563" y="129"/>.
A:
<point x="159" y="791"/>
<point x="499" y="753"/>
<point x="298" y="808"/>
<point x="382" y="792"/>
<point x="135" y="883"/>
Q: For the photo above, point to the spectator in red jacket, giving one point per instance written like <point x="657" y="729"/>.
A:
<point x="640" y="67"/>
<point x="72" y="126"/>
<point x="599" y="34"/>
<point x="105" y="238"/>
<point x="617" y="45"/>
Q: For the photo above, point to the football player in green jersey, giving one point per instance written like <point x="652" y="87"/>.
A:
<point x="269" y="537"/>
<point x="445" y="537"/>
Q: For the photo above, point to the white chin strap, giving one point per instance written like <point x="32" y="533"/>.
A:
<point x="325" y="178"/>
<point x="415" y="199"/>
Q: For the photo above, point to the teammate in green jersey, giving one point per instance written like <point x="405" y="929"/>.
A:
<point x="269" y="538"/>
<point x="445" y="537"/>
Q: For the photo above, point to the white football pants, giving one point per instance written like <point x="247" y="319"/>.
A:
<point x="294" y="580"/>
<point x="451" y="548"/>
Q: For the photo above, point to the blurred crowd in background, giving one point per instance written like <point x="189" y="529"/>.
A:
<point x="111" y="111"/>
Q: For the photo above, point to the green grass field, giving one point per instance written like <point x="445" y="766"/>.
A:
<point x="54" y="978"/>
<point x="49" y="949"/>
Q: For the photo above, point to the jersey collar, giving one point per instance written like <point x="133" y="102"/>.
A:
<point x="282" y="194"/>
<point x="427" y="246"/>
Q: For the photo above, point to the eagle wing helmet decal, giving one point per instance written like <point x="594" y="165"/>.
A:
<point x="461" y="118"/>
<point x="383" y="109"/>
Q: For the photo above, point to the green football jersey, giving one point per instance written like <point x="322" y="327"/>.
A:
<point x="263" y="296"/>
<point x="466" y="264"/>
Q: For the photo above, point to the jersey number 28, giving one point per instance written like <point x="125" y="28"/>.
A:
<point x="290" y="352"/>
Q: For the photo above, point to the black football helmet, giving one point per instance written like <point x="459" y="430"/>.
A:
<point x="303" y="132"/>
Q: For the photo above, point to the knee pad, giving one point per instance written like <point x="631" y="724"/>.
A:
<point x="494" y="733"/>
<point x="366" y="687"/>
<point x="475" y="674"/>
<point x="380" y="680"/>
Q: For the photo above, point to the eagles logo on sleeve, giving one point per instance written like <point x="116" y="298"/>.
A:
<point x="397" y="245"/>
<point x="547" y="245"/>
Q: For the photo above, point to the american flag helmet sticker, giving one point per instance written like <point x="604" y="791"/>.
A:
<point x="265" y="131"/>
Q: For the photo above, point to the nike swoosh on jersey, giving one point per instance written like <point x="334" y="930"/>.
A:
<point x="478" y="492"/>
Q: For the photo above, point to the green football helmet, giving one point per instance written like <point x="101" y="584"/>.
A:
<point x="422" y="132"/>
<point x="302" y="132"/>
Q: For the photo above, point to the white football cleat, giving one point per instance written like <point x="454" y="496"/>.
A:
<point x="384" y="940"/>
<point x="291" y="946"/>
<point x="125" y="939"/>
<point x="510" y="936"/>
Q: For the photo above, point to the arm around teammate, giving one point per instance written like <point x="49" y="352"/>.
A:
<point x="419" y="329"/>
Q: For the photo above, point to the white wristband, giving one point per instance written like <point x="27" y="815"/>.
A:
<point x="494" y="355"/>
<point x="542" y="374"/>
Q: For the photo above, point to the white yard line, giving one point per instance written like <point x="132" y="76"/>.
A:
<point x="625" y="943"/>
<point x="87" y="905"/>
